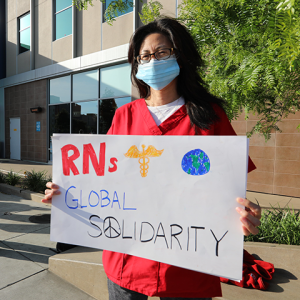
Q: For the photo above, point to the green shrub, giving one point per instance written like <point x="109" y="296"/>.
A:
<point x="12" y="178"/>
<point x="36" y="181"/>
<point x="279" y="226"/>
<point x="2" y="177"/>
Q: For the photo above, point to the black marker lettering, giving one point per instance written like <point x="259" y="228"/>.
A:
<point x="125" y="237"/>
<point x="195" y="227"/>
<point x="188" y="239"/>
<point x="174" y="234"/>
<point x="95" y="236"/>
<point x="161" y="235"/>
<point x="218" y="241"/>
<point x="112" y="226"/>
<point x="135" y="230"/>
<point x="144" y="241"/>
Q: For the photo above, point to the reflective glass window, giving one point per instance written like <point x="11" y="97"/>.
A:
<point x="107" y="110"/>
<point x="84" y="117"/>
<point x="115" y="81"/>
<point x="62" y="4"/>
<point x="107" y="2"/>
<point x="59" y="120"/>
<point x="25" y="22"/>
<point x="63" y="23"/>
<point x="85" y="85"/>
<point x="25" y="40"/>
<point x="60" y="90"/>
<point x="24" y="33"/>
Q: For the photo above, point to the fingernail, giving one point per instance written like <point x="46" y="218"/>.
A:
<point x="54" y="186"/>
<point x="238" y="209"/>
<point x="240" y="200"/>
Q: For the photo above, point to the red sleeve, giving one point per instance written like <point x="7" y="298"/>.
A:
<point x="111" y="129"/>
<point x="224" y="127"/>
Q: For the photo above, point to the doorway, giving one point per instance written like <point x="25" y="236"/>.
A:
<point x="15" y="138"/>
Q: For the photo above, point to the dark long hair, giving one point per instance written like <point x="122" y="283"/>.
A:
<point x="190" y="86"/>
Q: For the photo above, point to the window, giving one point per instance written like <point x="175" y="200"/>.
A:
<point x="115" y="81"/>
<point x="24" y="33"/>
<point x="75" y="105"/>
<point x="106" y="4"/>
<point x="63" y="18"/>
<point x="85" y="85"/>
<point x="60" y="90"/>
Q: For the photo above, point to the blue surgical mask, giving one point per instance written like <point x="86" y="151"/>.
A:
<point x="158" y="73"/>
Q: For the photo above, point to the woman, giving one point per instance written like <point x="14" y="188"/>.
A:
<point x="165" y="65"/>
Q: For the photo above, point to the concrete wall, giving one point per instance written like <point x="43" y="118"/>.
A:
<point x="23" y="62"/>
<point x="11" y="48"/>
<point x="23" y="6"/>
<point x="18" y="100"/>
<point x="62" y="49"/>
<point x="119" y="33"/>
<point x="278" y="160"/>
<point x="88" y="27"/>
<point x="43" y="33"/>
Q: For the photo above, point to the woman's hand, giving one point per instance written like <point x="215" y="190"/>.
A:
<point x="249" y="216"/>
<point x="49" y="193"/>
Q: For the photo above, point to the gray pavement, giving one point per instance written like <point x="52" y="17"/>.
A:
<point x="25" y="248"/>
<point x="20" y="166"/>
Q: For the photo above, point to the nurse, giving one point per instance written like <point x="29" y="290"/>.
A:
<point x="165" y="68"/>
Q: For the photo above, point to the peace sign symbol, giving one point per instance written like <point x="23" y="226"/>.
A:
<point x="111" y="227"/>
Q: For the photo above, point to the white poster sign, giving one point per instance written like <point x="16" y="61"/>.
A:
<point x="167" y="198"/>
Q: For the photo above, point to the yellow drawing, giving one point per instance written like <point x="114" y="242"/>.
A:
<point x="143" y="156"/>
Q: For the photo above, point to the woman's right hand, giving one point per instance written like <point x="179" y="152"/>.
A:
<point x="53" y="189"/>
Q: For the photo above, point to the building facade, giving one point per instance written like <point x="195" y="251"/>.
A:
<point x="66" y="71"/>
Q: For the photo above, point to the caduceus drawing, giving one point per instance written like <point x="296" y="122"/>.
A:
<point x="143" y="156"/>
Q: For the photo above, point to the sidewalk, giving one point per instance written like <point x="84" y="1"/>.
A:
<point x="264" y="200"/>
<point x="25" y="248"/>
<point x="20" y="166"/>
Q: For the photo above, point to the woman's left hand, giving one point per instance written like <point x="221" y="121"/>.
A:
<point x="249" y="216"/>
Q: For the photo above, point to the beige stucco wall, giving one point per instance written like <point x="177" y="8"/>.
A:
<point x="11" y="48"/>
<point x="62" y="49"/>
<point x="169" y="7"/>
<point x="23" y="60"/>
<point x="23" y="6"/>
<point x="119" y="33"/>
<point x="10" y="10"/>
<point x="88" y="28"/>
<point x="43" y="33"/>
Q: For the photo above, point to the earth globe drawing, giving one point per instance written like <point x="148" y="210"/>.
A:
<point x="195" y="162"/>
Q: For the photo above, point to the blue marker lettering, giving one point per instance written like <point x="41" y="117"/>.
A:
<point x="81" y="206"/>
<point x="75" y="200"/>
<point x="115" y="200"/>
<point x="126" y="208"/>
<point x="105" y="198"/>
<point x="93" y="192"/>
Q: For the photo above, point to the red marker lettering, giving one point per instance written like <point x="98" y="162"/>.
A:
<point x="89" y="152"/>
<point x="67" y="161"/>
<point x="114" y="167"/>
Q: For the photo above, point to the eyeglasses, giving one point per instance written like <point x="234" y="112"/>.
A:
<point x="160" y="54"/>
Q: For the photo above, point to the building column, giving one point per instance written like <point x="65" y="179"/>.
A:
<point x="32" y="35"/>
<point x="74" y="33"/>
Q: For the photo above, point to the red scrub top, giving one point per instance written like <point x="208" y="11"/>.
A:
<point x="143" y="275"/>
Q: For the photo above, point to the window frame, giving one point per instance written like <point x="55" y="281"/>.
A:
<point x="104" y="9"/>
<point x="54" y="20"/>
<point x="71" y="101"/>
<point x="19" y="32"/>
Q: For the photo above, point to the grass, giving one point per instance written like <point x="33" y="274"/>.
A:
<point x="36" y="181"/>
<point x="2" y="178"/>
<point x="278" y="226"/>
<point x="12" y="178"/>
